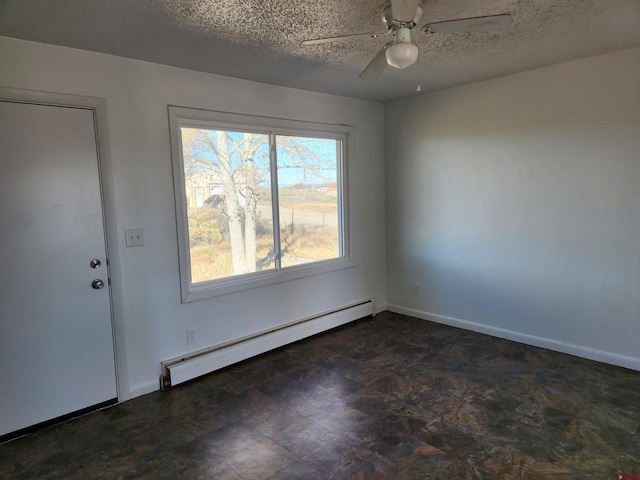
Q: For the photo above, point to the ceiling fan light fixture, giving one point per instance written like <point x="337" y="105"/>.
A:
<point x="401" y="55"/>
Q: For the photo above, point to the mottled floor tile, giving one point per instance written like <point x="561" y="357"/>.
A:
<point x="389" y="397"/>
<point x="376" y="469"/>
<point x="39" y="455"/>
<point x="348" y="423"/>
<point x="232" y="439"/>
<point x="158" y="438"/>
<point x="309" y="399"/>
<point x="298" y="435"/>
<point x="298" y="471"/>
<point x="270" y="413"/>
<point x="373" y="402"/>
<point x="130" y="466"/>
<point x="340" y="459"/>
<point x="192" y="460"/>
<point x="92" y="435"/>
<point x="261" y="460"/>
<point x="547" y="472"/>
<point x="282" y="387"/>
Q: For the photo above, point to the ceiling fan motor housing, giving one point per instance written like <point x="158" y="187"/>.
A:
<point x="390" y="22"/>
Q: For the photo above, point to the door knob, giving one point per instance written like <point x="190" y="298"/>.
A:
<point x="97" y="284"/>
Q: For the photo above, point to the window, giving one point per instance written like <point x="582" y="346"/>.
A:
<point x="258" y="200"/>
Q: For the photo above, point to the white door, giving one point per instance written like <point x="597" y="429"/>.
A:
<point x="56" y="339"/>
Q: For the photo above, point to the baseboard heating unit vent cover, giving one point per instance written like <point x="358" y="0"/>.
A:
<point x="196" y="364"/>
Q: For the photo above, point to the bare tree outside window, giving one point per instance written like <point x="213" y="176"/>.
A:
<point x="308" y="199"/>
<point x="232" y="231"/>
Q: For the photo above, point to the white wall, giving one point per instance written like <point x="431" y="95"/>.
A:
<point x="150" y="319"/>
<point x="515" y="203"/>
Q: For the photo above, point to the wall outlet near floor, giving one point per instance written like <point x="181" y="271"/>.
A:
<point x="415" y="288"/>
<point x="192" y="337"/>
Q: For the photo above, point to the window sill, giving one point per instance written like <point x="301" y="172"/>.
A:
<point x="216" y="288"/>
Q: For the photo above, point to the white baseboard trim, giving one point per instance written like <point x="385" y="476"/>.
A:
<point x="144" y="388"/>
<point x="589" y="353"/>
<point x="379" y="308"/>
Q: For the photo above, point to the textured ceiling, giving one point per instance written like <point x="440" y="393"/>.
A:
<point x="261" y="40"/>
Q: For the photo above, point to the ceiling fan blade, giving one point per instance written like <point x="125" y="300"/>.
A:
<point x="342" y="38"/>
<point x="490" y="23"/>
<point x="377" y="65"/>
<point x="404" y="10"/>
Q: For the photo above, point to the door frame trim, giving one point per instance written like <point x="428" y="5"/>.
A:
<point x="105" y="172"/>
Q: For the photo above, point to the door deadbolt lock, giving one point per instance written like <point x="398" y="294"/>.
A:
<point x="95" y="263"/>
<point x="97" y="284"/>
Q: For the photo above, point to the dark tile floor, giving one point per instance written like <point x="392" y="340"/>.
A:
<point x="391" y="397"/>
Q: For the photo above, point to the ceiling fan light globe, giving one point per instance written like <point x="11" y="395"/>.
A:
<point x="401" y="55"/>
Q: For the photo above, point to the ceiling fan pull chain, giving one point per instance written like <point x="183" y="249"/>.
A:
<point x="418" y="88"/>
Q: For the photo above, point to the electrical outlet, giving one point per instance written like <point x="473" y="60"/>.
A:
<point x="416" y="288"/>
<point x="192" y="337"/>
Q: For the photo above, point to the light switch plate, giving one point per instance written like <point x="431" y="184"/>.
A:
<point x="134" y="237"/>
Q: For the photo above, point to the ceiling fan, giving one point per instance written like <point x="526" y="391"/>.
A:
<point x="400" y="18"/>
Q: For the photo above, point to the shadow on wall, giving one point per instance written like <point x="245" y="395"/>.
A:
<point x="516" y="205"/>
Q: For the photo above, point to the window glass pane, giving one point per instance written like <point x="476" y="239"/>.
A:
<point x="228" y="238"/>
<point x="308" y="199"/>
<point x="228" y="197"/>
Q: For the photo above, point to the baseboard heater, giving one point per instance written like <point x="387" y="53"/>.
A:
<point x="196" y="364"/>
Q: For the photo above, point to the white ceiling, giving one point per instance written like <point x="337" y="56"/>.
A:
<point x="261" y="39"/>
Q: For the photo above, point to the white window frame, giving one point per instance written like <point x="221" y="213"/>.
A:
<point x="189" y="117"/>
